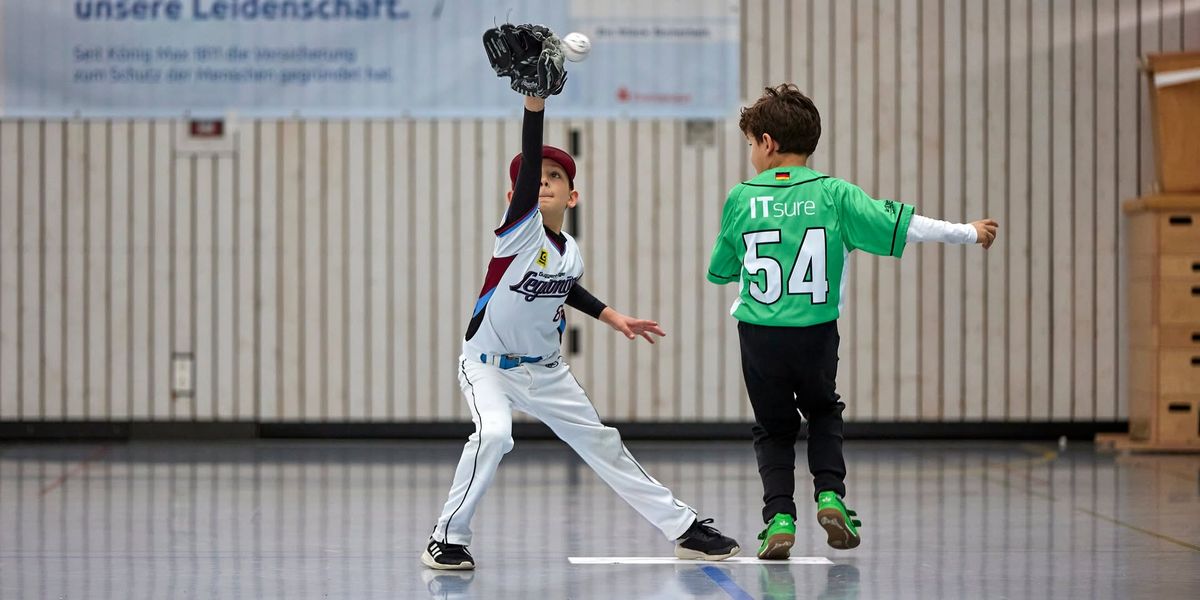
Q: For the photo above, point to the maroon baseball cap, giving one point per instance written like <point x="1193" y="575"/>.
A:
<point x="557" y="155"/>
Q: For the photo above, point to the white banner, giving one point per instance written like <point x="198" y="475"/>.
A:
<point x="355" y="58"/>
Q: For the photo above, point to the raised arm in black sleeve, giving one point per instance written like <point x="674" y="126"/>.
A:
<point x="529" y="176"/>
<point x="583" y="301"/>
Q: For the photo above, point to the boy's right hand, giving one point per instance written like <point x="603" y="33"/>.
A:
<point x="985" y="232"/>
<point x="530" y="55"/>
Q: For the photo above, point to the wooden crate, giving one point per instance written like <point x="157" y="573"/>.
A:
<point x="1164" y="325"/>
<point x="1175" y="113"/>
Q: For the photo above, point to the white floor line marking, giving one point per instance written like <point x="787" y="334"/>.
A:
<point x="670" y="560"/>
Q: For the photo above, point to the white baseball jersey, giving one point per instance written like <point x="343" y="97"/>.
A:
<point x="520" y="308"/>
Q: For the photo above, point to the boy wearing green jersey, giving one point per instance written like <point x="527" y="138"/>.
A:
<point x="785" y="237"/>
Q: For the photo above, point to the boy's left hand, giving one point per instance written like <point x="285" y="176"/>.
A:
<point x="630" y="326"/>
<point x="985" y="232"/>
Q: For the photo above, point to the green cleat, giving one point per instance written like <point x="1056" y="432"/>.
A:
<point x="777" y="538"/>
<point x="839" y="522"/>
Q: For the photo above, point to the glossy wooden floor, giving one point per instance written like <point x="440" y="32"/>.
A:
<point x="348" y="520"/>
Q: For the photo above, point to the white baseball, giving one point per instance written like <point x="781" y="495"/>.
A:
<point x="576" y="46"/>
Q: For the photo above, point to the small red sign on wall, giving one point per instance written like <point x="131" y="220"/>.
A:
<point x="211" y="128"/>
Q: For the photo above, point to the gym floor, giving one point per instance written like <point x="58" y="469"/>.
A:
<point x="349" y="519"/>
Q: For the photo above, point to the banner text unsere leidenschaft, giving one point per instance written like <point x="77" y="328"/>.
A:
<point x="240" y="10"/>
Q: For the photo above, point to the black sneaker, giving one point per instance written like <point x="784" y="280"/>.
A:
<point x="447" y="556"/>
<point x="703" y="542"/>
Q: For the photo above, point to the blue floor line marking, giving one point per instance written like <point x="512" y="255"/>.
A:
<point x="727" y="584"/>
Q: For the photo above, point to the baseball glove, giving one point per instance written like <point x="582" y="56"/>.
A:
<point x="530" y="55"/>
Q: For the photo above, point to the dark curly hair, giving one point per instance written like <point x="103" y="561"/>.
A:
<point x="788" y="115"/>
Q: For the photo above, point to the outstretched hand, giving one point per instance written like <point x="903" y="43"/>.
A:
<point x="630" y="326"/>
<point x="985" y="232"/>
<point x="530" y="55"/>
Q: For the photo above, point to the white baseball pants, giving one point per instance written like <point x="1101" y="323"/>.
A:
<point x="550" y="393"/>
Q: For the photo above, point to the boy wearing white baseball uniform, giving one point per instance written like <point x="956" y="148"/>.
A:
<point x="511" y="360"/>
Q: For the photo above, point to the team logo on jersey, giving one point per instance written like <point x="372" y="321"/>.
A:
<point x="536" y="285"/>
<point x="766" y="206"/>
<point x="889" y="206"/>
<point x="543" y="258"/>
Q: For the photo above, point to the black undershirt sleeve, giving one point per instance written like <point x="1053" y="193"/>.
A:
<point x="529" y="176"/>
<point x="583" y="301"/>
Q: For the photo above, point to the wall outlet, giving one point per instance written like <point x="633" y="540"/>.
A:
<point x="183" y="366"/>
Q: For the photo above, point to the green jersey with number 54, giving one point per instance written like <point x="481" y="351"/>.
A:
<point x="785" y="236"/>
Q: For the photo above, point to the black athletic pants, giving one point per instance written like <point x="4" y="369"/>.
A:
<point x="789" y="372"/>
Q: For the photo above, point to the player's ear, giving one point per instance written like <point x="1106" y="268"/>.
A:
<point x="508" y="197"/>
<point x="768" y="143"/>
<point x="573" y="199"/>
